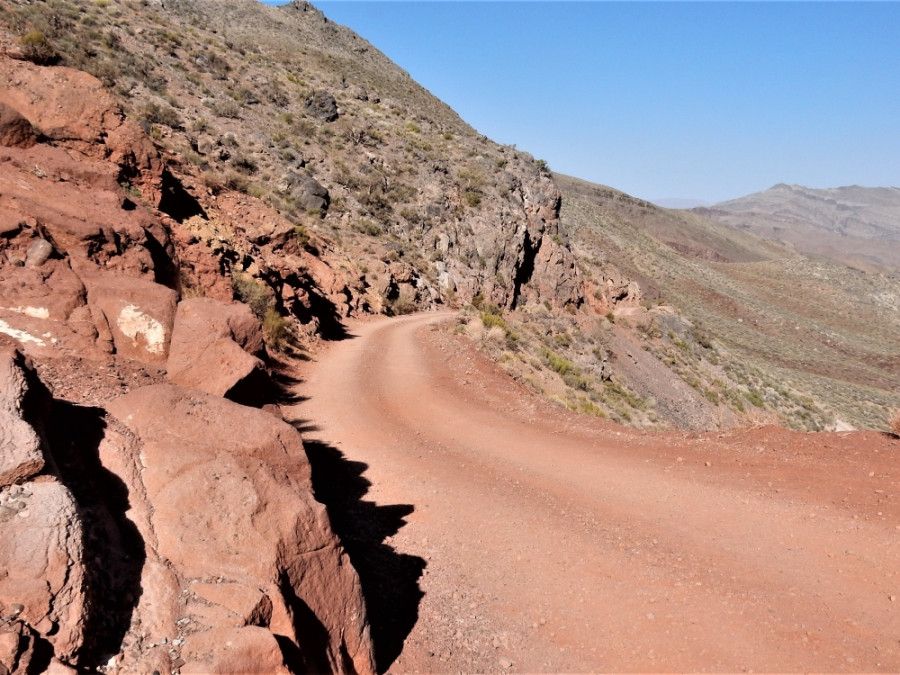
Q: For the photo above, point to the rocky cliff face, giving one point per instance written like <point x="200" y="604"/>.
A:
<point x="288" y="136"/>
<point x="173" y="531"/>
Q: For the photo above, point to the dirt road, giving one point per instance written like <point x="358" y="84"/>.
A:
<point x="496" y="533"/>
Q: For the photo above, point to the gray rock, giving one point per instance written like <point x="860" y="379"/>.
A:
<point x="38" y="253"/>
<point x="309" y="194"/>
<point x="322" y="105"/>
<point x="206" y="144"/>
<point x="359" y="93"/>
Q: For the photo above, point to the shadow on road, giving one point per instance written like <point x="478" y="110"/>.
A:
<point x="390" y="580"/>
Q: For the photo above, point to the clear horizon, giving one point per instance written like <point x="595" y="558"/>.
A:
<point x="690" y="100"/>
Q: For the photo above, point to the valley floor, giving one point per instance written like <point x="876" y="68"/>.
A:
<point x="494" y="533"/>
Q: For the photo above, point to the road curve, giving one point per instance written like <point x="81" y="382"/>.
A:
<point x="550" y="542"/>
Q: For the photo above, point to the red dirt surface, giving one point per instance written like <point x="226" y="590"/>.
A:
<point x="549" y="541"/>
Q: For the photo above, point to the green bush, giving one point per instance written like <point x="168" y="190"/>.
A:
<point x="473" y="199"/>
<point x="558" y="363"/>
<point x="251" y="292"/>
<point x="275" y="329"/>
<point x="162" y="114"/>
<point x="37" y="48"/>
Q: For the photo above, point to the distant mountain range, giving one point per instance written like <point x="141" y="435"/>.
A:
<point x="856" y="225"/>
<point x="679" y="203"/>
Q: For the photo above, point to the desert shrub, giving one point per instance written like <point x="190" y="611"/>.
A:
<point x="301" y="234"/>
<point x="224" y="108"/>
<point x="244" y="163"/>
<point x="251" y="292"/>
<point x="275" y="329"/>
<point x="37" y="48"/>
<point x="234" y="181"/>
<point x="162" y="114"/>
<point x="490" y="320"/>
<point x="755" y="398"/>
<point x="650" y="329"/>
<point x="557" y="363"/>
<point x="366" y="226"/>
<point x="400" y="306"/>
<point x="616" y="393"/>
<point x="563" y="340"/>
<point x="894" y="422"/>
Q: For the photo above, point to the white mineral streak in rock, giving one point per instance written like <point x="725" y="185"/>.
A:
<point x="133" y="322"/>
<point x="20" y="335"/>
<point x="34" y="312"/>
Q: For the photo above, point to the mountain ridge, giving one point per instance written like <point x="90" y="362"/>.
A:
<point x="858" y="225"/>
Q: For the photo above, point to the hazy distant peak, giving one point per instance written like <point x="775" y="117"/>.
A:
<point x="855" y="224"/>
<point x="679" y="202"/>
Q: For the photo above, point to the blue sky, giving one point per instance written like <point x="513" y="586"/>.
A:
<point x="703" y="100"/>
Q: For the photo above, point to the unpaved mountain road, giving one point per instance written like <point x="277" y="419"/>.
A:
<point x="495" y="533"/>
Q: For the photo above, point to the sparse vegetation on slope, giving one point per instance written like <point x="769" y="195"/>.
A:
<point x="811" y="340"/>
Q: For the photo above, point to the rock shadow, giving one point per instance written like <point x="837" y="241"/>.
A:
<point x="319" y="308"/>
<point x="389" y="579"/>
<point x="114" y="549"/>
<point x="285" y="380"/>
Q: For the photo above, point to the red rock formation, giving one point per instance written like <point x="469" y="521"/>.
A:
<point x="215" y="348"/>
<point x="178" y="532"/>
<point x="243" y="542"/>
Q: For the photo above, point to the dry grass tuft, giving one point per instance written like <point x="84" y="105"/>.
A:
<point x="894" y="422"/>
<point x="757" y="419"/>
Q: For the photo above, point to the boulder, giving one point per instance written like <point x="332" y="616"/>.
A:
<point x="15" y="130"/>
<point x="232" y="502"/>
<point x="41" y="549"/>
<point x="74" y="108"/>
<point x="322" y="105"/>
<point x="41" y="541"/>
<point x="134" y="316"/>
<point x="21" y="456"/>
<point x="51" y="292"/>
<point x="307" y="192"/>
<point x="238" y="605"/>
<point x="16" y="643"/>
<point x="233" y="651"/>
<point x="215" y="348"/>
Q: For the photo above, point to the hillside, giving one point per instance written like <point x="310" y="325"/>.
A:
<point x="809" y="334"/>
<point x="279" y="104"/>
<point x="858" y="226"/>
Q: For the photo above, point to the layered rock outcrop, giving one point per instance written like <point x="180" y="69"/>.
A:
<point x="168" y="530"/>
<point x="176" y="531"/>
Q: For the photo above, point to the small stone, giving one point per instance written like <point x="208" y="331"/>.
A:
<point x="505" y="663"/>
<point x="38" y="253"/>
<point x="892" y="598"/>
